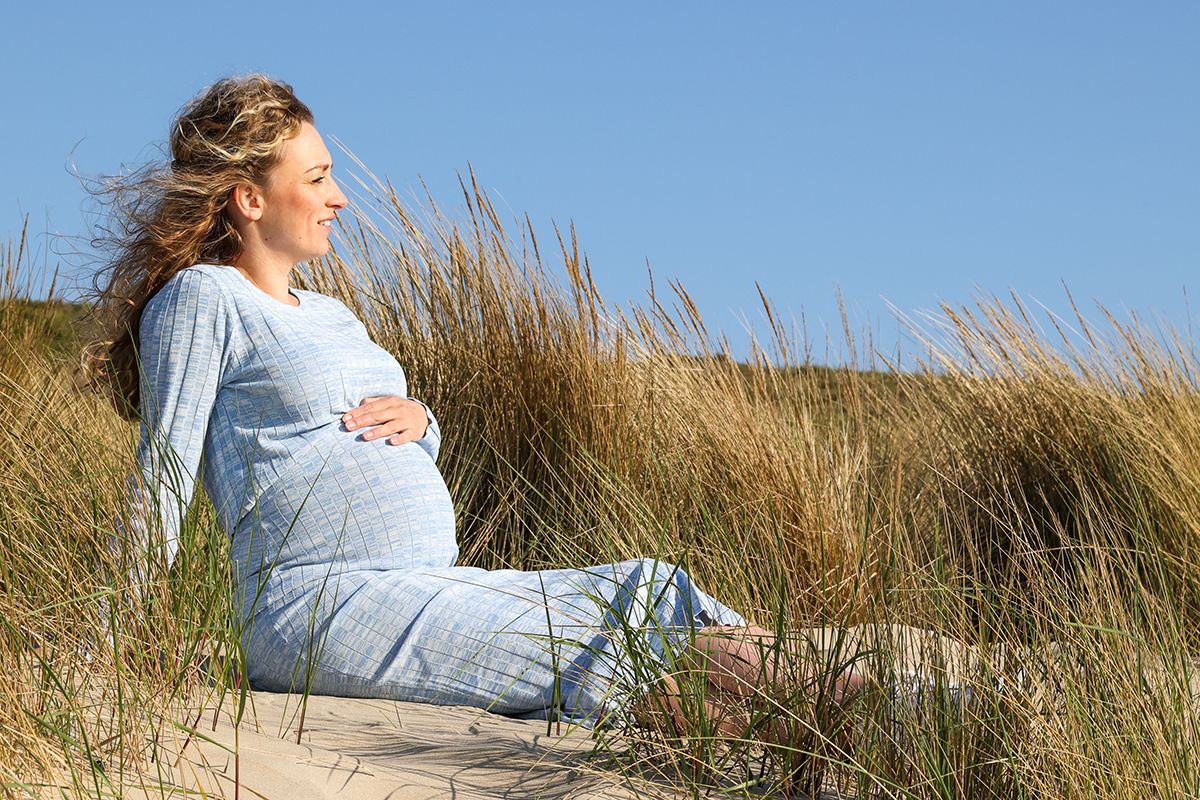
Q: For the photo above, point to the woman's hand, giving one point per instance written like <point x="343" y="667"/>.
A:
<point x="398" y="418"/>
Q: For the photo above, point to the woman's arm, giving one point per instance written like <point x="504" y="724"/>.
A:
<point x="184" y="348"/>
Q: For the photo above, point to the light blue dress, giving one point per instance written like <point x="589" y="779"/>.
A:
<point x="344" y="549"/>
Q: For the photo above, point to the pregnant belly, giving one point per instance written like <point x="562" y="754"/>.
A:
<point x="347" y="505"/>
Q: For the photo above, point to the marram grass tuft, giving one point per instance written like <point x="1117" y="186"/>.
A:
<point x="1002" y="540"/>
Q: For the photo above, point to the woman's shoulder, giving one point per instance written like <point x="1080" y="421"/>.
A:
<point x="198" y="290"/>
<point x="198" y="278"/>
<point x="213" y="288"/>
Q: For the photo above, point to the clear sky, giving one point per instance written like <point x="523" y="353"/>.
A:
<point x="900" y="153"/>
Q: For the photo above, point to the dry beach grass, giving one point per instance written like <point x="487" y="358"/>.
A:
<point x="1025" y="505"/>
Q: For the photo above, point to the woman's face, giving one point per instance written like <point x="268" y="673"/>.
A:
<point x="300" y="199"/>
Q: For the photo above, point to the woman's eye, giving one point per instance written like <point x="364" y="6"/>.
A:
<point x="318" y="180"/>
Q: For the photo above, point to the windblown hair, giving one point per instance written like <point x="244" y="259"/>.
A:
<point x="166" y="217"/>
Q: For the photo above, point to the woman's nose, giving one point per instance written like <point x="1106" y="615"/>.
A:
<point x="338" y="200"/>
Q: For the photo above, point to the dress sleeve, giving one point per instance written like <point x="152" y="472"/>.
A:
<point x="185" y="345"/>
<point x="432" y="440"/>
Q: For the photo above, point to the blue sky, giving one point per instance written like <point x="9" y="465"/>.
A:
<point x="902" y="153"/>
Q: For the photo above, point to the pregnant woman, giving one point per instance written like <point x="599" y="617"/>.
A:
<point x="322" y="469"/>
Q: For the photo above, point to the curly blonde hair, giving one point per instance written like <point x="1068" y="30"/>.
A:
<point x="166" y="217"/>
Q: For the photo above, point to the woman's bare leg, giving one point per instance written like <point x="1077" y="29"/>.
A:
<point x="742" y="660"/>
<point x="741" y="664"/>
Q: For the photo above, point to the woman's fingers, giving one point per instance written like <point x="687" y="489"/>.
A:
<point x="405" y="436"/>
<point x="400" y="419"/>
<point x="394" y="434"/>
<point x="372" y="410"/>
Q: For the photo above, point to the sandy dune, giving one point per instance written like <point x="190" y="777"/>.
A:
<point x="356" y="749"/>
<point x="365" y="749"/>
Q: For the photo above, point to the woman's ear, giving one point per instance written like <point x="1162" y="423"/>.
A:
<point x="246" y="202"/>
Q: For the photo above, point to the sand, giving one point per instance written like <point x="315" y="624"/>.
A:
<point x="357" y="749"/>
